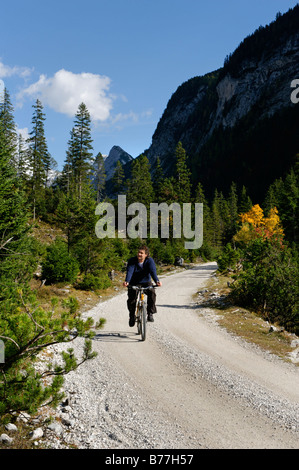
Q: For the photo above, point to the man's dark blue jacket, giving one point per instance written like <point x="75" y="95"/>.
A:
<point x="141" y="275"/>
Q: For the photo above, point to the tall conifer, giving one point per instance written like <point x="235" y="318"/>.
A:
<point x="183" y="174"/>
<point x="158" y="178"/>
<point x="40" y="159"/>
<point x="13" y="220"/>
<point x="8" y="127"/>
<point x="140" y="187"/>
<point x="100" y="177"/>
<point x="81" y="147"/>
<point x="233" y="216"/>
<point x="118" y="179"/>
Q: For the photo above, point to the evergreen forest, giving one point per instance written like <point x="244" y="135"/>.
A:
<point x="255" y="242"/>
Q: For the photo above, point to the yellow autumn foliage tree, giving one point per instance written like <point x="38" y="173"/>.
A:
<point x="256" y="225"/>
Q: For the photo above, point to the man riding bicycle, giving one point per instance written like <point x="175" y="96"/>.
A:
<point x="140" y="270"/>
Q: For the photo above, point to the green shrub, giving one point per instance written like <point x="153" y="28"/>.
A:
<point x="228" y="259"/>
<point x="156" y="248"/>
<point x="269" y="283"/>
<point x="92" y="282"/>
<point x="168" y="256"/>
<point x="208" y="252"/>
<point x="59" y="265"/>
<point x="26" y="330"/>
<point x="72" y="304"/>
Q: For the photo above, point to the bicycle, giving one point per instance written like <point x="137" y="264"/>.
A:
<point x="141" y="313"/>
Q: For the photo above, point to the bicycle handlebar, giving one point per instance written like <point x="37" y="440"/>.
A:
<point x="142" y="288"/>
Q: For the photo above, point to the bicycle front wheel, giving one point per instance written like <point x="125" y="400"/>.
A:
<point x="143" y="322"/>
<point x="138" y="320"/>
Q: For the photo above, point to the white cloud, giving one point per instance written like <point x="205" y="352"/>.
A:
<point x="2" y="86"/>
<point x="65" y="91"/>
<point x="24" y="132"/>
<point x="131" y="117"/>
<point x="7" y="71"/>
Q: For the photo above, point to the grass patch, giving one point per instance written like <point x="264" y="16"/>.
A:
<point x="242" y="322"/>
<point x="45" y="233"/>
<point x="63" y="291"/>
<point x="253" y="329"/>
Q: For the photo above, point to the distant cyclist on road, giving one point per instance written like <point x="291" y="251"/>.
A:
<point x="140" y="270"/>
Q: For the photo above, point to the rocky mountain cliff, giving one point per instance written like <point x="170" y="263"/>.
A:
<point x="116" y="154"/>
<point x="238" y="123"/>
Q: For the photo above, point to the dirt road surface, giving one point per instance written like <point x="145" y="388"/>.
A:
<point x="189" y="385"/>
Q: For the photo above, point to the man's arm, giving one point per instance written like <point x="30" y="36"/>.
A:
<point x="130" y="271"/>
<point x="153" y="272"/>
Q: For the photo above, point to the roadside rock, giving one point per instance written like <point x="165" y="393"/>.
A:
<point x="36" y="434"/>
<point x="56" y="428"/>
<point x="294" y="356"/>
<point x="5" y="439"/>
<point x="11" y="427"/>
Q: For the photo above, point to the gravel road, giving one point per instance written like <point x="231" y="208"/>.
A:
<point x="190" y="385"/>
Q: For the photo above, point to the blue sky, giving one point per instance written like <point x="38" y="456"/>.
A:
<point x="123" y="58"/>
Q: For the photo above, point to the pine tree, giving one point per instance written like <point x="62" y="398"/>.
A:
<point x="85" y="244"/>
<point x="140" y="188"/>
<point x="100" y="177"/>
<point x="200" y="194"/>
<point x="218" y="211"/>
<point x="118" y="179"/>
<point x="40" y="159"/>
<point x="245" y="202"/>
<point x="25" y="328"/>
<point x="77" y="219"/>
<point x="67" y="177"/>
<point x="183" y="174"/>
<point x="158" y="178"/>
<point x="232" y="205"/>
<point x="81" y="150"/>
<point x="8" y="127"/>
<point x="207" y="222"/>
<point x="66" y="215"/>
<point x="22" y="163"/>
<point x="168" y="191"/>
<point x="13" y="219"/>
<point x="290" y="207"/>
<point x="284" y="195"/>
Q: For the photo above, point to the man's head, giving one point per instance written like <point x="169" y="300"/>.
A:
<point x="143" y="252"/>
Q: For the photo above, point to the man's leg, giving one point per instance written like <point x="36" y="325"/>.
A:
<point x="131" y="302"/>
<point x="151" y="304"/>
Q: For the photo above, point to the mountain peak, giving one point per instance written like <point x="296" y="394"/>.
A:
<point x="116" y="154"/>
